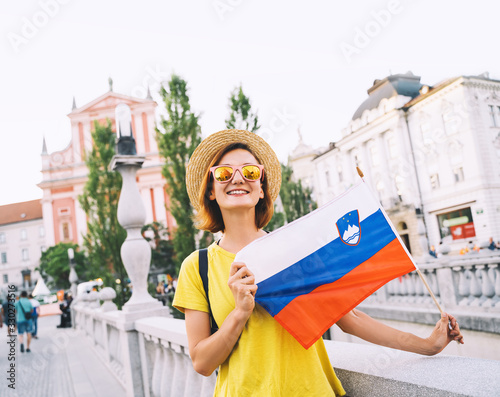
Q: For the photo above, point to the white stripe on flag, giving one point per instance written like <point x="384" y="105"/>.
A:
<point x="282" y="248"/>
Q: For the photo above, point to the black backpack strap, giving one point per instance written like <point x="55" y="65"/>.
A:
<point x="203" y="268"/>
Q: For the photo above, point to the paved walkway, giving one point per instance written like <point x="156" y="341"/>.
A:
<point x="62" y="363"/>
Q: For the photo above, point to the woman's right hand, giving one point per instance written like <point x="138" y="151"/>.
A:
<point x="242" y="285"/>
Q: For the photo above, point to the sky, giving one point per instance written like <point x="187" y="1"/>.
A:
<point x="303" y="64"/>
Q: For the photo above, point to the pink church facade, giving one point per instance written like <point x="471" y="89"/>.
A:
<point x="64" y="172"/>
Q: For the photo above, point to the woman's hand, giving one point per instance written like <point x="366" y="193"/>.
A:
<point x="442" y="334"/>
<point x="365" y="327"/>
<point x="242" y="284"/>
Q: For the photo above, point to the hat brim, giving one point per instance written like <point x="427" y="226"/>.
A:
<point x="203" y="155"/>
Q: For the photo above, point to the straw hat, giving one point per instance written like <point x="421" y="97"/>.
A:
<point x="210" y="146"/>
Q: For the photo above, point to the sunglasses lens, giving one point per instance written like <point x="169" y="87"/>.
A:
<point x="251" y="172"/>
<point x="223" y="174"/>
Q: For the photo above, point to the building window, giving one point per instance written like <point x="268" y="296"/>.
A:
<point x="458" y="174"/>
<point x="493" y="121"/>
<point x="5" y="278"/>
<point x="42" y="248"/>
<point x="341" y="176"/>
<point x="64" y="211"/>
<point x="24" y="234"/>
<point x="425" y="128"/>
<point x="327" y="175"/>
<point x="2" y="238"/>
<point x="458" y="224"/>
<point x="65" y="231"/>
<point x="25" y="254"/>
<point x="451" y="122"/>
<point x="4" y="257"/>
<point x="41" y="231"/>
<point x="434" y="181"/>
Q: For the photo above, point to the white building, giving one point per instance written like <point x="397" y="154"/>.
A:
<point x="22" y="240"/>
<point x="430" y="153"/>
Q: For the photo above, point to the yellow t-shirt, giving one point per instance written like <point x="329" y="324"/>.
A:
<point x="267" y="360"/>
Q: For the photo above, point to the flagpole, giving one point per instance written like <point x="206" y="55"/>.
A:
<point x="430" y="291"/>
<point x="361" y="175"/>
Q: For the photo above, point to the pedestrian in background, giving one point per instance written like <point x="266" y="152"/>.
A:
<point x="34" y="318"/>
<point x="24" y="322"/>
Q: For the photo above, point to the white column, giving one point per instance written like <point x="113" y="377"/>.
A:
<point x="135" y="251"/>
<point x="148" y="205"/>
<point x="80" y="219"/>
<point x="161" y="214"/>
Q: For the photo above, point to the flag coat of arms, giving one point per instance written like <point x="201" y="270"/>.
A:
<point x="316" y="269"/>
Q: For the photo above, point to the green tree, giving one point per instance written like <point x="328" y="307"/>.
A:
<point x="180" y="136"/>
<point x="241" y="115"/>
<point x="295" y="199"/>
<point x="162" y="248"/>
<point x="54" y="266"/>
<point x="99" y="200"/>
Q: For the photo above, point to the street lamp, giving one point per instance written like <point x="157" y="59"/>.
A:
<point x="135" y="251"/>
<point x="125" y="144"/>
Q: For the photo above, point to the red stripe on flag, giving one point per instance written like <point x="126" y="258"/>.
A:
<point x="308" y="316"/>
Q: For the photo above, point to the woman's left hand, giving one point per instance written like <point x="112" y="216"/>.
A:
<point x="442" y="334"/>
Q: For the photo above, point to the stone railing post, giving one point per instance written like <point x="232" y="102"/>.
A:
<point x="135" y="251"/>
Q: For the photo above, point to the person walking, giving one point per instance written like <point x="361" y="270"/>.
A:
<point x="233" y="179"/>
<point x="65" y="307"/>
<point x="24" y="322"/>
<point x="34" y="318"/>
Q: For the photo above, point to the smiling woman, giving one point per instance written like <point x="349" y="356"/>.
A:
<point x="232" y="179"/>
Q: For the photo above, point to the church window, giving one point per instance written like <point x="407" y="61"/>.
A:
<point x="65" y="231"/>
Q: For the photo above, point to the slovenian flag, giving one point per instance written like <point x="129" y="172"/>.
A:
<point x="316" y="269"/>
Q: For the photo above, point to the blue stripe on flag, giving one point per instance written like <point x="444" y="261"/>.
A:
<point x="324" y="266"/>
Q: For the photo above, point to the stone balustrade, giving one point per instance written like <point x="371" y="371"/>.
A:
<point x="165" y="367"/>
<point x="468" y="286"/>
<point x="103" y="331"/>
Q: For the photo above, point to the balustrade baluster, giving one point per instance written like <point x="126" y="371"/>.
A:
<point x="427" y="300"/>
<point x="168" y="369"/>
<point x="208" y="386"/>
<point x="463" y="285"/>
<point x="158" y="364"/>
<point x="180" y="371"/>
<point x="410" y="288"/>
<point x="496" y="272"/>
<point x="434" y="284"/>
<point x="391" y="290"/>
<point x="194" y="380"/>
<point x="398" y="289"/>
<point x="419" y="288"/>
<point x="475" y="288"/>
<point x="487" y="287"/>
